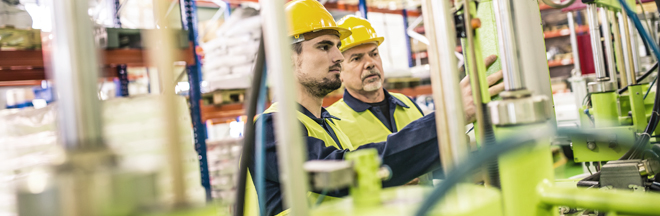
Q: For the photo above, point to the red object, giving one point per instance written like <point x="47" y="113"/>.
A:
<point x="586" y="55"/>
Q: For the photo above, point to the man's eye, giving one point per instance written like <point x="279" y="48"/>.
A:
<point x="375" y="54"/>
<point x="355" y="59"/>
<point x="324" y="48"/>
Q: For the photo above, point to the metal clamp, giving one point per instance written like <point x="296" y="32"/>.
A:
<point x="601" y="86"/>
<point x="525" y="110"/>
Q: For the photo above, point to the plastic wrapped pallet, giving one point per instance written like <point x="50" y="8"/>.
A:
<point x="235" y="47"/>
<point x="132" y="130"/>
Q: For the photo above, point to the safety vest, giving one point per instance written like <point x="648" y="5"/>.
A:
<point x="313" y="130"/>
<point x="364" y="128"/>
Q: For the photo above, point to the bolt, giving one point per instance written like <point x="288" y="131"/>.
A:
<point x="591" y="145"/>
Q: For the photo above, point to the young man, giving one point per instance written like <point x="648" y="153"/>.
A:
<point x="368" y="112"/>
<point x="317" y="60"/>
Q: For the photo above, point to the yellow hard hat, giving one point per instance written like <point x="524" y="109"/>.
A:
<point x="362" y="32"/>
<point x="310" y="16"/>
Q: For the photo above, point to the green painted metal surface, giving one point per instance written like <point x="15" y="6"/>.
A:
<point x="209" y="210"/>
<point x="613" y="4"/>
<point x="637" y="107"/>
<point x="488" y="35"/>
<point x="481" y="67"/>
<point x="468" y="200"/>
<point x="606" y="147"/>
<point x="604" y="107"/>
<point x="620" y="201"/>
<point x="522" y="170"/>
<point x="367" y="190"/>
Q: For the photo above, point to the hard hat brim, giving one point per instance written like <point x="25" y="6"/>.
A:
<point x="378" y="40"/>
<point x="343" y="32"/>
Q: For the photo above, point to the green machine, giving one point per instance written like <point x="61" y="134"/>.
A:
<point x="514" y="132"/>
<point x="622" y="113"/>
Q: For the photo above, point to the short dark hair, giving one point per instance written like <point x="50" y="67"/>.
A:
<point x="297" y="47"/>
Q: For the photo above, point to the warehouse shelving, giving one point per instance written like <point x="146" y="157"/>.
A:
<point x="22" y="66"/>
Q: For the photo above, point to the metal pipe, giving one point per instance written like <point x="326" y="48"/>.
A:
<point x="596" y="47"/>
<point x="609" y="52"/>
<point x="618" y="48"/>
<point x="625" y="202"/>
<point x="446" y="90"/>
<point x="404" y="15"/>
<point x="574" y="45"/>
<point x="472" y="69"/>
<point x="627" y="50"/>
<point x="509" y="55"/>
<point x="634" y="47"/>
<point x="362" y="6"/>
<point x="290" y="149"/>
<point x="75" y="65"/>
<point x="533" y="64"/>
<point x="160" y="50"/>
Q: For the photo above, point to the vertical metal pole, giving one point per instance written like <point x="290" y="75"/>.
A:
<point x="290" y="149"/>
<point x="440" y="30"/>
<point x="74" y="63"/>
<point x="618" y="48"/>
<point x="513" y="78"/>
<point x="404" y="13"/>
<point x="161" y="45"/>
<point x="634" y="47"/>
<point x="627" y="50"/>
<point x="609" y="52"/>
<point x="116" y="17"/>
<point x="189" y="22"/>
<point x="533" y="64"/>
<point x="596" y="46"/>
<point x="362" y="6"/>
<point x="122" y="74"/>
<point x="574" y="44"/>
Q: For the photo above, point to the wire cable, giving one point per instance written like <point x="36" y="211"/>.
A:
<point x="260" y="147"/>
<point x="653" y="122"/>
<point x="649" y="90"/>
<point x="489" y="153"/>
<point x="641" y="78"/>
<point x="247" y="153"/>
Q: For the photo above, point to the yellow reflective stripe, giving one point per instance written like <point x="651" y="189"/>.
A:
<point x="363" y="127"/>
<point x="284" y="213"/>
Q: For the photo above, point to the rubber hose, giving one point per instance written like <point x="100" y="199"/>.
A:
<point x="653" y="122"/>
<point x="487" y="154"/>
<point x="463" y="170"/>
<point x="247" y="153"/>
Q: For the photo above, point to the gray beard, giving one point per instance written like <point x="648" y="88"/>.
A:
<point x="321" y="88"/>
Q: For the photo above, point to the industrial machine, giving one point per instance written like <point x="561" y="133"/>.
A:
<point x="514" y="133"/>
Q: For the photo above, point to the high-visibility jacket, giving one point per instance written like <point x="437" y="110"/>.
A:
<point x="364" y="128"/>
<point x="313" y="130"/>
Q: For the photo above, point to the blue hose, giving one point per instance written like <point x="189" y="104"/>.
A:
<point x="640" y="28"/>
<point x="260" y="147"/>
<point x="653" y="121"/>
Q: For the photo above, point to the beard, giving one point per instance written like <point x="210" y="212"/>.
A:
<point x="320" y="88"/>
<point x="374" y="83"/>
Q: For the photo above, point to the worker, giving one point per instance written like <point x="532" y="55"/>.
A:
<point x="317" y="63"/>
<point x="368" y="112"/>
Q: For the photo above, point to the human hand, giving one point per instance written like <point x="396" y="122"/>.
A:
<point x="494" y="89"/>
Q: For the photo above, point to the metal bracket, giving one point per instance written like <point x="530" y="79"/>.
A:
<point x="601" y="86"/>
